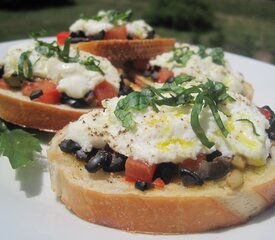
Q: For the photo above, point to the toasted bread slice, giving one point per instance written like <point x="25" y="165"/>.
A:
<point x="125" y="50"/>
<point x="107" y="199"/>
<point x="19" y="109"/>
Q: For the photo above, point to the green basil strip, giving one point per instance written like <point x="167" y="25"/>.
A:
<point x="24" y="66"/>
<point x="252" y="124"/>
<point x="195" y="122"/>
<point x="216" y="116"/>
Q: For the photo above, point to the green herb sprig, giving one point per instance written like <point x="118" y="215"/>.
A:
<point x="113" y="16"/>
<point x="181" y="55"/>
<point x="210" y="94"/>
<point x="18" y="145"/>
<point x="251" y="123"/>
<point x="53" y="50"/>
<point x="24" y="66"/>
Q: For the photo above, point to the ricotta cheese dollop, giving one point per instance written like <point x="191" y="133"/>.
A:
<point x="201" y="68"/>
<point x="71" y="78"/>
<point x="167" y="135"/>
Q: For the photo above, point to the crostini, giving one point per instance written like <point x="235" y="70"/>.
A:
<point x="198" y="61"/>
<point x="46" y="86"/>
<point x="111" y="34"/>
<point x="177" y="159"/>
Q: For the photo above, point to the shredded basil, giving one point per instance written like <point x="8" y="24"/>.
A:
<point x="113" y="16"/>
<point x="210" y="94"/>
<point x="53" y="50"/>
<point x="24" y="66"/>
<point x="252" y="124"/>
<point x="92" y="64"/>
<point x="181" y="55"/>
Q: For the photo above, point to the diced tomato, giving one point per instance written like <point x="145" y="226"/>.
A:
<point x="141" y="65"/>
<point x="136" y="37"/>
<point x="50" y="94"/>
<point x="61" y="37"/>
<point x="3" y="84"/>
<point x="103" y="91"/>
<point x="159" y="183"/>
<point x="164" y="74"/>
<point x="266" y="113"/>
<point x="193" y="164"/>
<point x="139" y="170"/>
<point x="117" y="33"/>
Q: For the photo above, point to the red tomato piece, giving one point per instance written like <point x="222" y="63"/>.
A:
<point x="159" y="183"/>
<point x="164" y="74"/>
<point x="61" y="37"/>
<point x="139" y="170"/>
<point x="193" y="164"/>
<point x="117" y="33"/>
<point x="3" y="84"/>
<point x="266" y="113"/>
<point x="50" y="94"/>
<point x="103" y="91"/>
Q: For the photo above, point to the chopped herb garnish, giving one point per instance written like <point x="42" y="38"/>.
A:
<point x="92" y="64"/>
<point x="181" y="55"/>
<point x="217" y="55"/>
<point x="113" y="16"/>
<point x="19" y="146"/>
<point x="210" y="94"/>
<point x="53" y="50"/>
<point x="24" y="66"/>
<point x="251" y="123"/>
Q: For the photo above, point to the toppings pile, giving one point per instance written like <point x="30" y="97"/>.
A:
<point x="107" y="25"/>
<point x="51" y="74"/>
<point x="181" y="98"/>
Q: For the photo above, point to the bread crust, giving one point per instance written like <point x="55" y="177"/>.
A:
<point x="20" y="110"/>
<point x="109" y="200"/>
<point x="125" y="50"/>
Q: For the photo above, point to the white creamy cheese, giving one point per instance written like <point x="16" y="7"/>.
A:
<point x="90" y="27"/>
<point x="139" y="28"/>
<point x="202" y="68"/>
<point x="88" y="131"/>
<point x="71" y="78"/>
<point x="167" y="136"/>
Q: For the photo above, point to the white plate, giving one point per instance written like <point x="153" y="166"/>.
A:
<point x="30" y="210"/>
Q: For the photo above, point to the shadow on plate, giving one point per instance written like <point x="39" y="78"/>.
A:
<point x="31" y="176"/>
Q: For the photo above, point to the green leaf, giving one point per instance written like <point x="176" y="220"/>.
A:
<point x="19" y="146"/>
<point x="183" y="78"/>
<point x="195" y="122"/>
<point x="252" y="124"/>
<point x="24" y="66"/>
<point x="217" y="55"/>
<point x="181" y="55"/>
<point x="92" y="64"/>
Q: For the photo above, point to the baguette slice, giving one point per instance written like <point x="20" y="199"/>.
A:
<point x="125" y="50"/>
<point x="19" y="109"/>
<point x="107" y="199"/>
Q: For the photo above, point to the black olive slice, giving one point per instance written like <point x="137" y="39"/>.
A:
<point x="218" y="168"/>
<point x="189" y="178"/>
<point x="69" y="146"/>
<point x="141" y="185"/>
<point x="271" y="130"/>
<point x="210" y="157"/>
<point x="151" y="34"/>
<point x="165" y="171"/>
<point x="1" y="71"/>
<point x="36" y="94"/>
<point x="97" y="161"/>
<point x="117" y="163"/>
